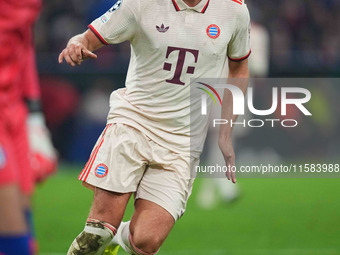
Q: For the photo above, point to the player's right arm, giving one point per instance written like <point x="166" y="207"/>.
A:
<point x="117" y="25"/>
<point x="80" y="48"/>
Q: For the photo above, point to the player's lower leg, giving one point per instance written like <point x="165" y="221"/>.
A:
<point x="93" y="239"/>
<point x="106" y="214"/>
<point x="149" y="227"/>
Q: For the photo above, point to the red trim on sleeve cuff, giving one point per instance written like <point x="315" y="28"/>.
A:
<point x="176" y="6"/>
<point x="240" y="59"/>
<point x="97" y="34"/>
<point x="205" y="7"/>
<point x="238" y="1"/>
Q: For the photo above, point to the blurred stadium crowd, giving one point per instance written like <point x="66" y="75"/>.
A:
<point x="304" y="34"/>
<point x="305" y="42"/>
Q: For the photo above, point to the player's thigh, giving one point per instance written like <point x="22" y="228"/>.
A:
<point x="160" y="201"/>
<point x="114" y="170"/>
<point x="150" y="225"/>
<point x="109" y="206"/>
<point x="168" y="183"/>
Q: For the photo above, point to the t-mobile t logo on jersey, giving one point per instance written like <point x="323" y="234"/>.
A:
<point x="176" y="79"/>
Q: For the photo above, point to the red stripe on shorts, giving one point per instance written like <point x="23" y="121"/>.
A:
<point x="91" y="161"/>
<point x="94" y="158"/>
<point x="85" y="172"/>
<point x="81" y="176"/>
<point x="84" y="169"/>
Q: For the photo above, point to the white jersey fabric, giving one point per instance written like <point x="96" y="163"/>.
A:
<point x="171" y="43"/>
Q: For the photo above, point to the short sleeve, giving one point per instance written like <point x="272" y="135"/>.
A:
<point x="118" y="24"/>
<point x="239" y="45"/>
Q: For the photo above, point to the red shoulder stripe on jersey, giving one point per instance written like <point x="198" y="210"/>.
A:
<point x="237" y="1"/>
<point x="176" y="6"/>
<point x="240" y="59"/>
<point x="97" y="34"/>
<point x="205" y="7"/>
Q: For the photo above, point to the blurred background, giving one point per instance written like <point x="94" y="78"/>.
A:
<point x="270" y="216"/>
<point x="304" y="41"/>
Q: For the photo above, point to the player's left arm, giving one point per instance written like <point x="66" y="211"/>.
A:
<point x="238" y="76"/>
<point x="238" y="53"/>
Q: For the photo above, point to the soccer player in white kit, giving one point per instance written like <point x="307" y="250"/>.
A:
<point x="145" y="147"/>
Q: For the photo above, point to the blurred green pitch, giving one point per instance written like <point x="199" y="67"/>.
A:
<point x="273" y="216"/>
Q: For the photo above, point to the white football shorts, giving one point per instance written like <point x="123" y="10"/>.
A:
<point x="125" y="160"/>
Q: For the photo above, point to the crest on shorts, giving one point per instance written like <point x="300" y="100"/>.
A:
<point x="101" y="170"/>
<point x="2" y="157"/>
<point x="213" y="31"/>
<point x="116" y="6"/>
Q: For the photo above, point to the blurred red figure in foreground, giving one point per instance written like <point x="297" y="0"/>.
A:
<point x="26" y="153"/>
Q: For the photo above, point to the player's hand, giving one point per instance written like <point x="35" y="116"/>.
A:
<point x="75" y="53"/>
<point x="226" y="146"/>
<point x="42" y="153"/>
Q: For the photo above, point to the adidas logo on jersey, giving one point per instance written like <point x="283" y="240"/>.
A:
<point x="162" y="29"/>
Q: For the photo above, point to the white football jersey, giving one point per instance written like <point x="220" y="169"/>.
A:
<point x="171" y="43"/>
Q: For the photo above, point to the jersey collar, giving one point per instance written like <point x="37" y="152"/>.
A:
<point x="200" y="7"/>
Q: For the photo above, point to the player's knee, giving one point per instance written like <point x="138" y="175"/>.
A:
<point x="146" y="244"/>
